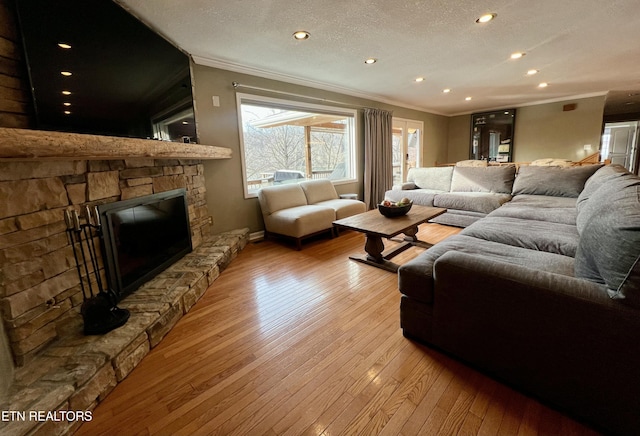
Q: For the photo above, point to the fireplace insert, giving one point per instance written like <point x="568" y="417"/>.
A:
<point x="143" y="236"/>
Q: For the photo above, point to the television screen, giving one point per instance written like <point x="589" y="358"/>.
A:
<point x="94" y="68"/>
<point x="142" y="237"/>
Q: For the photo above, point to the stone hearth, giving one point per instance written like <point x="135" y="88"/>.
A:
<point x="76" y="372"/>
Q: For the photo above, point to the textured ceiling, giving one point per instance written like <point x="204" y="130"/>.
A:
<point x="580" y="47"/>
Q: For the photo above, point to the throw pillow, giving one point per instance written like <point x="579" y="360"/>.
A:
<point x="552" y="181"/>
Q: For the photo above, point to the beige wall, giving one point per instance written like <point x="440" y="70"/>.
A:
<point x="219" y="126"/>
<point x="542" y="131"/>
<point x="459" y="138"/>
<point x="547" y="131"/>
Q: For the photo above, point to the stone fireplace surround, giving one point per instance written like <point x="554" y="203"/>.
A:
<point x="57" y="368"/>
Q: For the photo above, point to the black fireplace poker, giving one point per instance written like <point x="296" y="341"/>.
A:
<point x="99" y="309"/>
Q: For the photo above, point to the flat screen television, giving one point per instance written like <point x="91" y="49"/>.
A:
<point x="143" y="236"/>
<point x="125" y="79"/>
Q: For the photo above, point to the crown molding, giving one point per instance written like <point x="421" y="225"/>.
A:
<point x="535" y="103"/>
<point x="295" y="80"/>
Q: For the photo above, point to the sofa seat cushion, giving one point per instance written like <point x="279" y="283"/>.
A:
<point x="488" y="179"/>
<point x="458" y="218"/>
<point x="539" y="208"/>
<point x="415" y="278"/>
<point x="535" y="235"/>
<point x="344" y="207"/>
<point x="422" y="197"/>
<point x="609" y="250"/>
<point x="300" y="221"/>
<point x="552" y="181"/>
<point x="482" y="202"/>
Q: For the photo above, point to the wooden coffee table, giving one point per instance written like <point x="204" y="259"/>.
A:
<point x="376" y="226"/>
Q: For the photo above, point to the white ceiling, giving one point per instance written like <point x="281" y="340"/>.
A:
<point x="581" y="47"/>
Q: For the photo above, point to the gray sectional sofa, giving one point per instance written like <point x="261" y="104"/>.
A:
<point x="543" y="293"/>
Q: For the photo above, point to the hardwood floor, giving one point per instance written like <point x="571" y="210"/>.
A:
<point x="307" y="342"/>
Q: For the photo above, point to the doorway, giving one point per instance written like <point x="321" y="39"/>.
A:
<point x="620" y="144"/>
<point x="407" y="146"/>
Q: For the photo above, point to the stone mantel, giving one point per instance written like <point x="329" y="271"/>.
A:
<point x="24" y="144"/>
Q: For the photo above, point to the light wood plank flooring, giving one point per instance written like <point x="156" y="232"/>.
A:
<point x="308" y="342"/>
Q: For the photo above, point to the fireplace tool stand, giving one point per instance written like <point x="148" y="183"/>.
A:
<point x="99" y="310"/>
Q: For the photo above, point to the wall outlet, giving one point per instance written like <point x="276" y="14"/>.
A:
<point x="216" y="101"/>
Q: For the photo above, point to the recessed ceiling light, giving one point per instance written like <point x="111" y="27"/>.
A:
<point x="446" y="90"/>
<point x="543" y="85"/>
<point x="301" y="34"/>
<point x="64" y="45"/>
<point x="66" y="73"/>
<point x="66" y="92"/>
<point x="185" y="122"/>
<point x="67" y="112"/>
<point x="419" y="79"/>
<point x="467" y="98"/>
<point x="66" y="103"/>
<point x="371" y="61"/>
<point x="486" y="18"/>
<point x="532" y="72"/>
<point x="517" y="55"/>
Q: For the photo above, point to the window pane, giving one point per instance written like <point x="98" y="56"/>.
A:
<point x="286" y="145"/>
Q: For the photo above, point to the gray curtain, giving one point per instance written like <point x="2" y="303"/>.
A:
<point x="378" y="171"/>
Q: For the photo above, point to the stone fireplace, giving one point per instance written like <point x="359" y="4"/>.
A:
<point x="39" y="283"/>
<point x="42" y="174"/>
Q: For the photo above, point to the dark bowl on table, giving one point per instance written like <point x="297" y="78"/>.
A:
<point x="392" y="211"/>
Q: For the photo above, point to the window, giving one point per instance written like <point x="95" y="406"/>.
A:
<point x="286" y="142"/>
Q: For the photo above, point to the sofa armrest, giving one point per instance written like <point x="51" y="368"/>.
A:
<point x="558" y="337"/>
<point x="490" y="276"/>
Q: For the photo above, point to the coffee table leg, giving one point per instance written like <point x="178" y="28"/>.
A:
<point x="374" y="247"/>
<point x="410" y="234"/>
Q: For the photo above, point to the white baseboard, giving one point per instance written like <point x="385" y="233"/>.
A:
<point x="256" y="236"/>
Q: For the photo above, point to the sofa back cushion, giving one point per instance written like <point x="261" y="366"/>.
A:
<point x="552" y="181"/>
<point x="275" y="198"/>
<point x="600" y="177"/>
<point x="609" y="247"/>
<point x="318" y="190"/>
<point x="594" y="200"/>
<point x="498" y="179"/>
<point x="435" y="178"/>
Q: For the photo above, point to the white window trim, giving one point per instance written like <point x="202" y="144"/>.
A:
<point x="258" y="99"/>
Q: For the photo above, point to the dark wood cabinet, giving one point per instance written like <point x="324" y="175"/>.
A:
<point x="492" y="135"/>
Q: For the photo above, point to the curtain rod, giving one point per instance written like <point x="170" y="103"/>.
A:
<point x="237" y="85"/>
